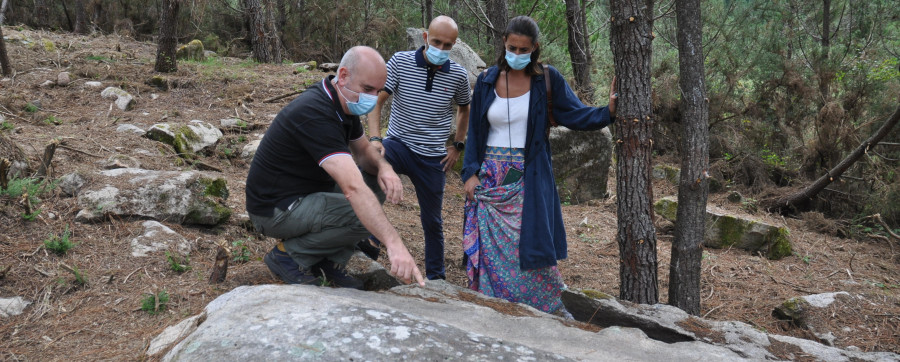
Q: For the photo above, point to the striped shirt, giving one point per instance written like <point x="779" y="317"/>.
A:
<point x="422" y="112"/>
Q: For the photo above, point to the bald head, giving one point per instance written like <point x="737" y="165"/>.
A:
<point x="361" y="55"/>
<point x="442" y="33"/>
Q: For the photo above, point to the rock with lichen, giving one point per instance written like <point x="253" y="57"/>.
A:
<point x="189" y="197"/>
<point x="191" y="51"/>
<point x="724" y="230"/>
<point x="186" y="139"/>
<point x="124" y="100"/>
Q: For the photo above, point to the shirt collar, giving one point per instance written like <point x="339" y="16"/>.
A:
<point x="420" y="61"/>
<point x="331" y="92"/>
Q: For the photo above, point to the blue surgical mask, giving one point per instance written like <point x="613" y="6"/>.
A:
<point x="517" y="61"/>
<point x="437" y="56"/>
<point x="363" y="105"/>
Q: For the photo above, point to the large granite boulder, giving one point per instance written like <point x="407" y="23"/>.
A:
<point x="724" y="230"/>
<point x="670" y="324"/>
<point x="124" y="100"/>
<point x="461" y="53"/>
<point x="581" y="162"/>
<point x="181" y="197"/>
<point x="437" y="322"/>
<point x="186" y="139"/>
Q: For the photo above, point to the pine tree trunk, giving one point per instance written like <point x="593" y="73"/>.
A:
<point x="579" y="49"/>
<point x="429" y="11"/>
<point x="693" y="187"/>
<point x="4" y="58"/>
<point x="264" y="39"/>
<point x="498" y="16"/>
<point x="631" y="41"/>
<point x="41" y="14"/>
<point x="168" y="39"/>
<point x="81" y="26"/>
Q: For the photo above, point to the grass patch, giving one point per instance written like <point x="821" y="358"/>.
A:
<point x="155" y="303"/>
<point x="239" y="251"/>
<point x="59" y="244"/>
<point x="178" y="266"/>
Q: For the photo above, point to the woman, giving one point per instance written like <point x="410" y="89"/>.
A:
<point x="514" y="231"/>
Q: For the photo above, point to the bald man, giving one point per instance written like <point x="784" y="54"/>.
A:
<point x="305" y="188"/>
<point x="425" y="84"/>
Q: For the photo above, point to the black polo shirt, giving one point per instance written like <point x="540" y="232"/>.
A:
<point x="287" y="164"/>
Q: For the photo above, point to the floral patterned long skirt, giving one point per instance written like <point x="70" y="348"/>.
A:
<point x="491" y="238"/>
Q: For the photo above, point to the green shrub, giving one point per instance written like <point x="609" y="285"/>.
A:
<point x="178" y="266"/>
<point x="31" y="108"/>
<point x="155" y="303"/>
<point x="59" y="244"/>
<point x="240" y="252"/>
<point x="6" y="125"/>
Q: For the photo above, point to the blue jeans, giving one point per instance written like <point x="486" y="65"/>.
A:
<point x="427" y="175"/>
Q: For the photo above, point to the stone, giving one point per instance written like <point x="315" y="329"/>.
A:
<point x="189" y="197"/>
<point x="438" y="322"/>
<point x="63" y="79"/>
<point x="210" y="54"/>
<point x="191" y="51"/>
<point x="72" y="183"/>
<point x="811" y="312"/>
<point x="250" y="148"/>
<point x="373" y="275"/>
<point x="329" y="67"/>
<point x="666" y="172"/>
<point x="158" y="82"/>
<point x="157" y="237"/>
<point x="581" y="163"/>
<point x="124" y="100"/>
<point x="667" y="323"/>
<point x="724" y="230"/>
<point x="461" y="53"/>
<point x="120" y="161"/>
<point x="173" y="334"/>
<point x="187" y="139"/>
<point x="125" y="127"/>
<point x="10" y="307"/>
<point x="93" y="84"/>
<point x="231" y="122"/>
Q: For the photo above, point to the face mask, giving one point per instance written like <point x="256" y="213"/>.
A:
<point x="517" y="61"/>
<point x="437" y="56"/>
<point x="363" y="105"/>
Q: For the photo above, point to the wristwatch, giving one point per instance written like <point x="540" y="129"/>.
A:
<point x="459" y="146"/>
<point x="374" y="138"/>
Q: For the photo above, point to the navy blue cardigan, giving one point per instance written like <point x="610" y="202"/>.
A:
<point x="543" y="235"/>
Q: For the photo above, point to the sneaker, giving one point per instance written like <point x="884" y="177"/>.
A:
<point x="365" y="246"/>
<point x="331" y="272"/>
<point x="282" y="265"/>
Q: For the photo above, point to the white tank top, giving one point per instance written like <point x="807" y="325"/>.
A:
<point x="508" y="125"/>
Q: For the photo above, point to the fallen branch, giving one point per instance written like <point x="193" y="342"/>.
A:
<point x="800" y="198"/>
<point x="273" y="99"/>
<point x="887" y="229"/>
<point x="79" y="151"/>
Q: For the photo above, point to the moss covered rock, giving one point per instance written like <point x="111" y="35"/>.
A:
<point x="667" y="172"/>
<point x="185" y="139"/>
<point x="191" y="51"/>
<point x="183" y="197"/>
<point x="724" y="230"/>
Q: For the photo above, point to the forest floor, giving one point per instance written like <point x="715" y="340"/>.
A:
<point x="103" y="319"/>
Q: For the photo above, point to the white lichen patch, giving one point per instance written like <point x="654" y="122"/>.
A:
<point x="400" y="332"/>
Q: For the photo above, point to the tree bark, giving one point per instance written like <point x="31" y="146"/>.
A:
<point x="498" y="17"/>
<point x="799" y="200"/>
<point x="5" y="67"/>
<point x="81" y="26"/>
<point x="264" y="40"/>
<point x="579" y="49"/>
<point x="693" y="187"/>
<point x="41" y="13"/>
<point x="168" y="37"/>
<point x="429" y="11"/>
<point x="631" y="43"/>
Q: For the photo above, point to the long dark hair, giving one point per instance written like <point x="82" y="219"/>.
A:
<point x="525" y="26"/>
